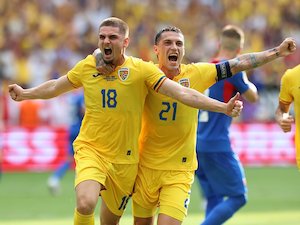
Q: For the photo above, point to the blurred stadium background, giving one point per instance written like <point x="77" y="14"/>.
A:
<point x="43" y="39"/>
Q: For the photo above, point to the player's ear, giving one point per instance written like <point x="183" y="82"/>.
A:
<point x="155" y="48"/>
<point x="126" y="42"/>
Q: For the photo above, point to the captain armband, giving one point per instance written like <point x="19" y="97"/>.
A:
<point x="223" y="70"/>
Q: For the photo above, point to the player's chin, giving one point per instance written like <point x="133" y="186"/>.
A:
<point x="108" y="61"/>
<point x="173" y="65"/>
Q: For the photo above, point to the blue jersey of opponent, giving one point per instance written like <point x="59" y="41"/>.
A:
<point x="77" y="104"/>
<point x="213" y="128"/>
<point x="77" y="113"/>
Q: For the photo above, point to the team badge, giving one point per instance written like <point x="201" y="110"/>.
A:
<point x="123" y="73"/>
<point x="184" y="82"/>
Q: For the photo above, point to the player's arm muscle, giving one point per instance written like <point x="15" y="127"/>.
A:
<point x="49" y="89"/>
<point x="256" y="59"/>
<point x="191" y="97"/>
<point x="252" y="60"/>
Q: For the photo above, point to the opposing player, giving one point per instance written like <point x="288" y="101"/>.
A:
<point x="106" y="149"/>
<point x="290" y="93"/>
<point x="77" y="112"/>
<point x="220" y="172"/>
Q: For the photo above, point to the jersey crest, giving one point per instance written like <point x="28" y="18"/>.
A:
<point x="184" y="82"/>
<point x="123" y="73"/>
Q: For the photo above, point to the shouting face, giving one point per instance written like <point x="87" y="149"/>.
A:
<point x="112" y="44"/>
<point x="170" y="51"/>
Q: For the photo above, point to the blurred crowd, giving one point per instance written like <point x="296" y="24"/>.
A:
<point x="43" y="39"/>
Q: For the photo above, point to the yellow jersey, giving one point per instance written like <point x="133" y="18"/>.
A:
<point x="114" y="105"/>
<point x="290" y="92"/>
<point x="168" y="136"/>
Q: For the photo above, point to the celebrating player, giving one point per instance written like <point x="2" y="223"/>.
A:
<point x="106" y="149"/>
<point x="289" y="93"/>
<point x="168" y="137"/>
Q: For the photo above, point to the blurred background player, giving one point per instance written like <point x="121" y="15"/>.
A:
<point x="220" y="173"/>
<point x="289" y="93"/>
<point x="76" y="99"/>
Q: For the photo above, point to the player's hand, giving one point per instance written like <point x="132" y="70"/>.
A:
<point x="287" y="47"/>
<point x="15" y="92"/>
<point x="234" y="106"/>
<point x="286" y="122"/>
<point x="101" y="66"/>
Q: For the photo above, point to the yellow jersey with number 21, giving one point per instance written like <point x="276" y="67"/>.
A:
<point x="168" y="136"/>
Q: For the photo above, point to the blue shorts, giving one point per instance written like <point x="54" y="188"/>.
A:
<point x="221" y="174"/>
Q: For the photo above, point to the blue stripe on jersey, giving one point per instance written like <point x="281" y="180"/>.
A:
<point x="157" y="85"/>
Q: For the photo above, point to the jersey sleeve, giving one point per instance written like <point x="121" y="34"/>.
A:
<point x="154" y="76"/>
<point x="206" y="75"/>
<point x="240" y="82"/>
<point x="74" y="75"/>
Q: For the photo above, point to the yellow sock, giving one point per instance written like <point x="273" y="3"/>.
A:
<point x="80" y="219"/>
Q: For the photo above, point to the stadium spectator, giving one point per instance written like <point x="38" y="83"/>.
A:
<point x="106" y="149"/>
<point x="289" y="93"/>
<point x="220" y="172"/>
<point x="38" y="27"/>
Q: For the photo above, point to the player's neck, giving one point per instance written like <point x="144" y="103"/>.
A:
<point x="170" y="73"/>
<point x="120" y="61"/>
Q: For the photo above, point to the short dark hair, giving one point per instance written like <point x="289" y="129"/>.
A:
<point x="169" y="28"/>
<point x="232" y="31"/>
<point x="116" y="22"/>
<point x="232" y="37"/>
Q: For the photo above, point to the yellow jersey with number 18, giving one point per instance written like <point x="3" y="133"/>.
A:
<point x="168" y="136"/>
<point x="290" y="92"/>
<point x="114" y="105"/>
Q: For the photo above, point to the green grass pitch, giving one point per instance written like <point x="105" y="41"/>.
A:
<point x="274" y="198"/>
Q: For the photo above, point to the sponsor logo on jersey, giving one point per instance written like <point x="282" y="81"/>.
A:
<point x="96" y="75"/>
<point x="105" y="77"/>
<point x="184" y="82"/>
<point x="123" y="73"/>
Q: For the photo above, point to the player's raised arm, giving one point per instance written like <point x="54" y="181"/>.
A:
<point x="256" y="59"/>
<point x="49" y="89"/>
<point x="195" y="99"/>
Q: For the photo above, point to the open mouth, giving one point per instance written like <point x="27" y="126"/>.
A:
<point x="173" y="58"/>
<point x="107" y="51"/>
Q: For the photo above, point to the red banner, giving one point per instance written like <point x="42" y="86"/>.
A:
<point x="263" y="144"/>
<point x="43" y="148"/>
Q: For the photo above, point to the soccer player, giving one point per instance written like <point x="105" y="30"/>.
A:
<point x="168" y="137"/>
<point x="289" y="93"/>
<point x="106" y="149"/>
<point x="77" y="112"/>
<point x="220" y="172"/>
